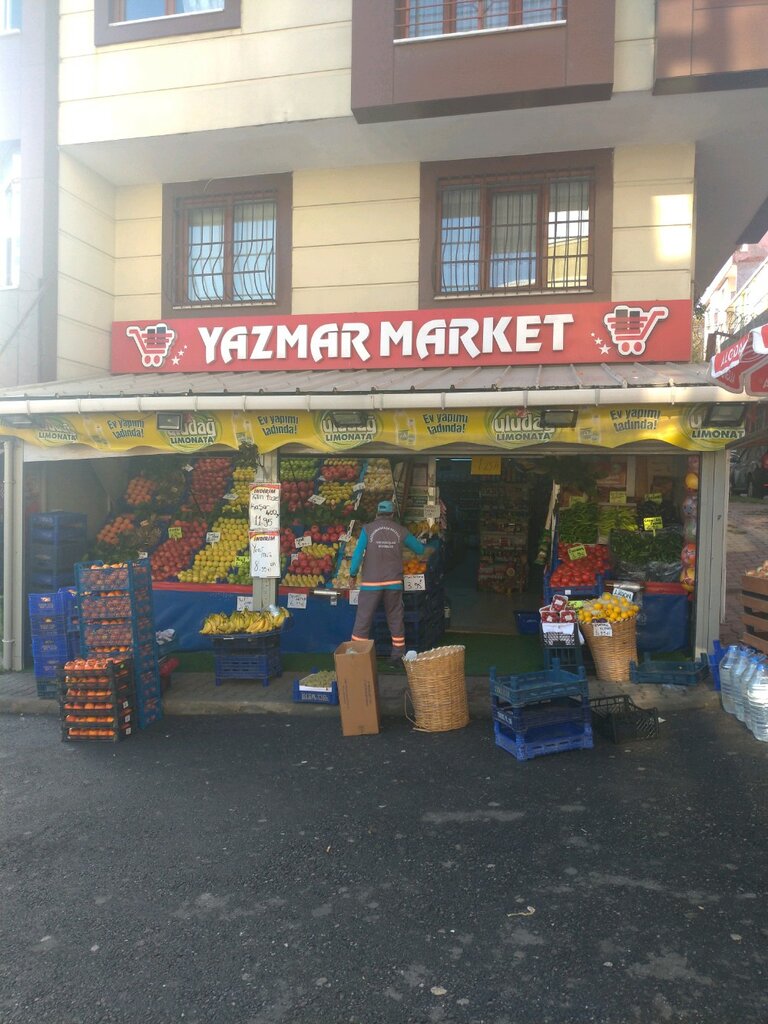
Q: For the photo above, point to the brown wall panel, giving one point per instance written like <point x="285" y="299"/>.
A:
<point x="711" y="44"/>
<point x="532" y="66"/>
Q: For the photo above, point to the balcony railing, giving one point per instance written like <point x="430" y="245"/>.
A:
<point x="418" y="19"/>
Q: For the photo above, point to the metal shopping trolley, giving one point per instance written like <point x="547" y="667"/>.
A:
<point x="154" y="343"/>
<point x="631" y="326"/>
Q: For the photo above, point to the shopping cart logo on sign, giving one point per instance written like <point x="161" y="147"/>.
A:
<point x="630" y="327"/>
<point x="154" y="343"/>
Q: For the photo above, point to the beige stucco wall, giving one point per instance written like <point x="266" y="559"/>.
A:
<point x="355" y="234"/>
<point x="289" y="61"/>
<point x="653" y="195"/>
<point x="86" y="280"/>
<point x="634" y="52"/>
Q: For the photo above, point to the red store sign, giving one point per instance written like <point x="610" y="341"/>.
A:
<point x="590" y="332"/>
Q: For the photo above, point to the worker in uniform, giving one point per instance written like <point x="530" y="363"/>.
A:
<point x="380" y="552"/>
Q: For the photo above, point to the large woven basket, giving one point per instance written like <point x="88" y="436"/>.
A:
<point x="437" y="688"/>
<point x="612" y="654"/>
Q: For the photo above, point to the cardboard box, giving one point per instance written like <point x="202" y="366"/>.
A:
<point x="358" y="687"/>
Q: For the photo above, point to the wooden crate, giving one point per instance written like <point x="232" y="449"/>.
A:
<point x="754" y="603"/>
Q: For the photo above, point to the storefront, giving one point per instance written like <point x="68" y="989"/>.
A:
<point x="475" y="423"/>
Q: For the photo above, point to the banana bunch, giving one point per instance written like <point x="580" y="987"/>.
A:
<point x="244" y="622"/>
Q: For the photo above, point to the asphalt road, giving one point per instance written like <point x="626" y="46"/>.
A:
<point x="264" y="870"/>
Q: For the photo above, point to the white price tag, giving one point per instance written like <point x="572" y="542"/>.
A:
<point x="358" y="487"/>
<point x="416" y="582"/>
<point x="602" y="629"/>
<point x="297" y="600"/>
<point x="345" y="537"/>
<point x="316" y="499"/>
<point x="303" y="542"/>
<point x="264" y="507"/>
<point x="230" y="496"/>
<point x="628" y="594"/>
<point x="431" y="511"/>
<point x="354" y="597"/>
<point x="244" y="603"/>
<point x="213" y="537"/>
<point x="143" y="554"/>
<point x="187" y="468"/>
<point x="294" y="557"/>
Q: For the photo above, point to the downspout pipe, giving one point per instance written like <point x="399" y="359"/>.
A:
<point x="8" y="558"/>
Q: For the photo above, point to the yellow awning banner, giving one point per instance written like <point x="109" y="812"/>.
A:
<point x="414" y="430"/>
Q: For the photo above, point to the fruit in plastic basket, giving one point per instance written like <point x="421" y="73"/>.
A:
<point x="295" y="494"/>
<point x="216" y="560"/>
<point x="608" y="608"/>
<point x="688" y="578"/>
<point x="110" y="532"/>
<point x="414" y="567"/>
<point x="293" y="580"/>
<point x="298" y="469"/>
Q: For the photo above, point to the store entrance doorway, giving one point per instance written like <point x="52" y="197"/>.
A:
<point x="496" y="509"/>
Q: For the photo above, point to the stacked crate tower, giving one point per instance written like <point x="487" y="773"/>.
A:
<point x="55" y="637"/>
<point x="97" y="700"/>
<point x="117" y="621"/>
<point x="56" y="541"/>
<point x="539" y="713"/>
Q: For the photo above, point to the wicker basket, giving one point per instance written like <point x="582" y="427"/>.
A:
<point x="612" y="654"/>
<point x="438" y="689"/>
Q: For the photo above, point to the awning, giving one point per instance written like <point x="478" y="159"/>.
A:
<point x="743" y="365"/>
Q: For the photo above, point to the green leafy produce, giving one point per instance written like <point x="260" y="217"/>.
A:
<point x="640" y="548"/>
<point x="578" y="524"/>
<point x="616" y="517"/>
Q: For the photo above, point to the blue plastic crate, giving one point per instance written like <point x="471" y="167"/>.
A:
<point x="304" y="696"/>
<point x="49" y="579"/>
<point x="48" y="666"/>
<point x="46" y="605"/>
<point x="534" y="687"/>
<point x="55" y="557"/>
<point x="55" y="527"/>
<point x="523" y="719"/>
<point x="717" y="655"/>
<point x="44" y="627"/>
<point x="243" y="665"/>
<point x="47" y="689"/>
<point x="669" y="673"/>
<point x="577" y="593"/>
<point x="50" y="647"/>
<point x="528" y="623"/>
<point x="134" y="577"/>
<point x="554" y="738"/>
<point x="73" y="646"/>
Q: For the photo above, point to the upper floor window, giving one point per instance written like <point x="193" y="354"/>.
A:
<point x="118" y="21"/>
<point x="10" y="216"/>
<point x="10" y="15"/>
<point x="512" y="227"/>
<point x="227" y="245"/>
<point x="420" y="18"/>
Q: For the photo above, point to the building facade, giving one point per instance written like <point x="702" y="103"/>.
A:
<point x="231" y="163"/>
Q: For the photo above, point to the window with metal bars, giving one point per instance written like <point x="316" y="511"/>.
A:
<point x="420" y="18"/>
<point x="505" y="236"/>
<point x="227" y="245"/>
<point x="225" y="251"/>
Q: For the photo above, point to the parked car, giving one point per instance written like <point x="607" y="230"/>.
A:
<point x="749" y="472"/>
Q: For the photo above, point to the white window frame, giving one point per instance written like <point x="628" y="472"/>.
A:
<point x="10" y="220"/>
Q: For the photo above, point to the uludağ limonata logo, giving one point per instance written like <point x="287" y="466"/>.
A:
<point x="153" y="342"/>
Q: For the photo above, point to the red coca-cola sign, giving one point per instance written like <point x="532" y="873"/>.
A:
<point x="591" y="332"/>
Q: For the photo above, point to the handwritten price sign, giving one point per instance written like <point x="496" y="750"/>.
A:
<point x="264" y="507"/>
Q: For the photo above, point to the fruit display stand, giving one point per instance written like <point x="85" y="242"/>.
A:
<point x="97" y="699"/>
<point x="116" y="619"/>
<point x="246" y="645"/>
